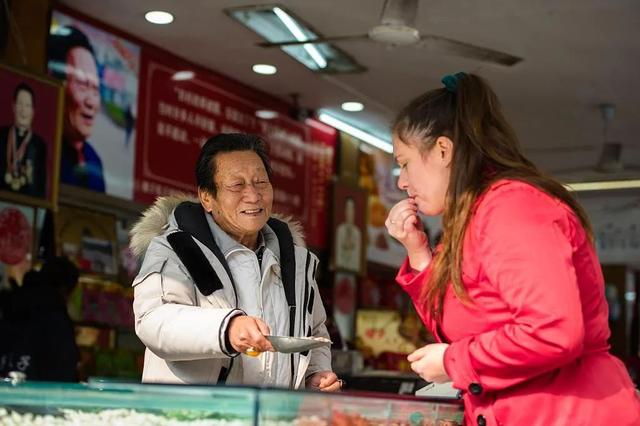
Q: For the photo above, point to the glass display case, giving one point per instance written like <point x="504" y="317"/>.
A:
<point x="278" y="407"/>
<point x="109" y="403"/>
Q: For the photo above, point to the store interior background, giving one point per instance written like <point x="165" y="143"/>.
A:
<point x="576" y="56"/>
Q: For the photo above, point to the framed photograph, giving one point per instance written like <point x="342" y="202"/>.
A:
<point x="100" y="74"/>
<point x="30" y="131"/>
<point x="349" y="219"/>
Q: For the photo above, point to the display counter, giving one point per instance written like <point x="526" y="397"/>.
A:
<point x="108" y="403"/>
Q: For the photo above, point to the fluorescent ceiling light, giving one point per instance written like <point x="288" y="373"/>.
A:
<point x="603" y="185"/>
<point x="299" y="35"/>
<point x="352" y="106"/>
<point x="275" y="24"/>
<point x="266" y="114"/>
<point x="264" y="69"/>
<point x="159" y="17"/>
<point x="356" y="133"/>
<point x="183" y="75"/>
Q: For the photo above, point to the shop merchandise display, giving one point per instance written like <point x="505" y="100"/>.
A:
<point x="109" y="417"/>
<point x="118" y="403"/>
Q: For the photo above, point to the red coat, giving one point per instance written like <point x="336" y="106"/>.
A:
<point x="532" y="347"/>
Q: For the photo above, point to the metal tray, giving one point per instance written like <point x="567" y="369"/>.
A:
<point x="287" y="344"/>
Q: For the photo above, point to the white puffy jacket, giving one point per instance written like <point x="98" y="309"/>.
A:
<point x="182" y="312"/>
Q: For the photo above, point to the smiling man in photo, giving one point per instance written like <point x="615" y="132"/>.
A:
<point x="72" y="59"/>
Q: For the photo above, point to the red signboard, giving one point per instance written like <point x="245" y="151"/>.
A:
<point x="320" y="154"/>
<point x="177" y="116"/>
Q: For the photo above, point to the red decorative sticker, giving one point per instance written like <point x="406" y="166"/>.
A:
<point x="15" y="242"/>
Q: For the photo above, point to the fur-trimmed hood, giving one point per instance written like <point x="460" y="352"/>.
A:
<point x="156" y="220"/>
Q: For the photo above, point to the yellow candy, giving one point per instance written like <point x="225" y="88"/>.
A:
<point x="252" y="352"/>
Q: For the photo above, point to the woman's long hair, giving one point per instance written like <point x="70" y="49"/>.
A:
<point x="485" y="149"/>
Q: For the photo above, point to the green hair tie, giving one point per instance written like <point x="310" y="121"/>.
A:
<point x="450" y="81"/>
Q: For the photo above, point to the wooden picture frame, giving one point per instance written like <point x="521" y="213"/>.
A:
<point x="31" y="108"/>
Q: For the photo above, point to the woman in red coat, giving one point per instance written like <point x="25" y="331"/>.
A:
<point x="514" y="292"/>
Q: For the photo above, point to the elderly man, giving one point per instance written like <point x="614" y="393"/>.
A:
<point x="220" y="275"/>
<point x="72" y="59"/>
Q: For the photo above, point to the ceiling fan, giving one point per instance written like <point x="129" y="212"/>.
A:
<point x="396" y="28"/>
<point x="610" y="161"/>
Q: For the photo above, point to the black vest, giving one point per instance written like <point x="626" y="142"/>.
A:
<point x="192" y="222"/>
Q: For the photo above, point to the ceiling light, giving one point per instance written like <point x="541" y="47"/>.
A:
<point x="159" y="17"/>
<point x="352" y="106"/>
<point x="266" y="114"/>
<point x="603" y="185"/>
<point x="356" y="133"/>
<point x="183" y="75"/>
<point x="264" y="69"/>
<point x="275" y="25"/>
<point x="293" y="27"/>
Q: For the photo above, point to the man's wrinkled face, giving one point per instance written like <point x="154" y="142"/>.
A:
<point x="83" y="94"/>
<point x="244" y="197"/>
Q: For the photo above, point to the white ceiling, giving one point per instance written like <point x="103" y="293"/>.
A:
<point x="577" y="54"/>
